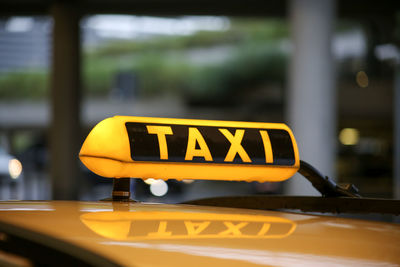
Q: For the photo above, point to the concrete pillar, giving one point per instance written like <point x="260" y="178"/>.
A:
<point x="396" y="124"/>
<point x="65" y="102"/>
<point x="311" y="99"/>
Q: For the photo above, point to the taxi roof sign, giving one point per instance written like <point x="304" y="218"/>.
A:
<point x="162" y="148"/>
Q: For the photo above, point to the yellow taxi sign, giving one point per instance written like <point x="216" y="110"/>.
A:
<point x="162" y="148"/>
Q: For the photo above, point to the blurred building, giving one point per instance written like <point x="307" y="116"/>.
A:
<point x="24" y="43"/>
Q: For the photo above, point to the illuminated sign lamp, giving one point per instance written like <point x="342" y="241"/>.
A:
<point x="161" y="148"/>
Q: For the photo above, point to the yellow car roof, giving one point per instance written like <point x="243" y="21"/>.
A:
<point x="135" y="234"/>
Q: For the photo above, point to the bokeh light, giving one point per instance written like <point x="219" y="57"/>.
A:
<point x="362" y="79"/>
<point x="349" y="136"/>
<point x="14" y="168"/>
<point x="159" y="188"/>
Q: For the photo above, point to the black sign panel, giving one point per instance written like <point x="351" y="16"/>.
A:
<point x="145" y="145"/>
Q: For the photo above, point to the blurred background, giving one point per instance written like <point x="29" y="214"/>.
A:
<point x="329" y="69"/>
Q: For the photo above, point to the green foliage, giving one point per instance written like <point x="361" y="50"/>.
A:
<point x="200" y="39"/>
<point x="159" y="73"/>
<point x="251" y="65"/>
<point x="31" y="84"/>
<point x="98" y="75"/>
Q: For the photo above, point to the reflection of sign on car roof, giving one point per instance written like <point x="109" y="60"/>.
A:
<point x="197" y="149"/>
<point x="180" y="225"/>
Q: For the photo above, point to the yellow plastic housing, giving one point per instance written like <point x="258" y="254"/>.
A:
<point x="107" y="152"/>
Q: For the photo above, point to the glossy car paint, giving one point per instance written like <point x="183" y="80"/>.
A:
<point x="137" y="234"/>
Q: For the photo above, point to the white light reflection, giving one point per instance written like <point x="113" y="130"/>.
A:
<point x="149" y="181"/>
<point x="94" y="210"/>
<point x="339" y="225"/>
<point x="19" y="24"/>
<point x="126" y="26"/>
<point x="25" y="206"/>
<point x="26" y="209"/>
<point x="349" y="44"/>
<point x="387" y="52"/>
<point x="259" y="257"/>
